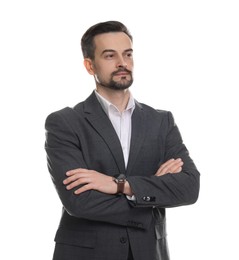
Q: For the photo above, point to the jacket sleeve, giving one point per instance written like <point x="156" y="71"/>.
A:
<point x="169" y="190"/>
<point x="63" y="149"/>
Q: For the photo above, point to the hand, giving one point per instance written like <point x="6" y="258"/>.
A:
<point x="171" y="166"/>
<point x="89" y="180"/>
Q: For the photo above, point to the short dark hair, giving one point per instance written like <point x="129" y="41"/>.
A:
<point x="87" y="40"/>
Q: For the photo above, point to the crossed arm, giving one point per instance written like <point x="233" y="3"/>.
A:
<point x="93" y="180"/>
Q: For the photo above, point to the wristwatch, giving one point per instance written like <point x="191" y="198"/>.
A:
<point x="120" y="180"/>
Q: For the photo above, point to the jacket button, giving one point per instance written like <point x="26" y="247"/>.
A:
<point x="146" y="199"/>
<point x="123" y="240"/>
<point x="149" y="199"/>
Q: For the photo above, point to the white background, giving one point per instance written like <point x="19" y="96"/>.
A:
<point x="186" y="61"/>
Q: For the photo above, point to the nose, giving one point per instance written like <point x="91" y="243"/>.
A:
<point x="121" y="63"/>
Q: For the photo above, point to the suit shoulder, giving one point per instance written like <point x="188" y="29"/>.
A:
<point x="154" y="111"/>
<point x="66" y="115"/>
<point x="59" y="113"/>
<point x="66" y="111"/>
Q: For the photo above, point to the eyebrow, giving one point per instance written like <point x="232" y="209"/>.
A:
<point x="111" y="50"/>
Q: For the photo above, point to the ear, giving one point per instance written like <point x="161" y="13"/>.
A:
<point x="89" y="66"/>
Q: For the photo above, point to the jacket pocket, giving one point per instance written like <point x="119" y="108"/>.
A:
<point x="83" y="238"/>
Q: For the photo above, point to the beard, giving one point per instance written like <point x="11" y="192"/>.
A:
<point x="124" y="82"/>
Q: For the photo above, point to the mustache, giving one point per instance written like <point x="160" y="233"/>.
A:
<point x="122" y="70"/>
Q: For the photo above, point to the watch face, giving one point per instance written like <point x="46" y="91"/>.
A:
<point x="121" y="177"/>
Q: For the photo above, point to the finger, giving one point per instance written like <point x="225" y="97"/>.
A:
<point x="78" y="182"/>
<point x="83" y="189"/>
<point x="73" y="178"/>
<point x="76" y="175"/>
<point x="170" y="166"/>
<point x="177" y="167"/>
<point x="165" y="166"/>
<point x="77" y="179"/>
<point x="174" y="165"/>
<point x="69" y="180"/>
<point x="75" y="171"/>
<point x="167" y="163"/>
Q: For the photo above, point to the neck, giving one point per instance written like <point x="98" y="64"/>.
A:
<point x="119" y="98"/>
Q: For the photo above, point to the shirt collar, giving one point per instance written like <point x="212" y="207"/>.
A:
<point x="106" y="105"/>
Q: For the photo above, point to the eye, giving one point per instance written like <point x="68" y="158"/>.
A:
<point x="109" y="56"/>
<point x="129" y="54"/>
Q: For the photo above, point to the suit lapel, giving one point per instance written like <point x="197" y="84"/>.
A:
<point x="101" y="123"/>
<point x="137" y="135"/>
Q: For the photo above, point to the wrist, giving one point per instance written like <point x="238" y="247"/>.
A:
<point x="123" y="186"/>
<point x="127" y="189"/>
<point x="120" y="182"/>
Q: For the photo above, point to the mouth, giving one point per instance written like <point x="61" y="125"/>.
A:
<point x="122" y="73"/>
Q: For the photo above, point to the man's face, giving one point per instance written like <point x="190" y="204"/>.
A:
<point x="113" y="63"/>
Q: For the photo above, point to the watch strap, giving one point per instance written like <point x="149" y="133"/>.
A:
<point x="120" y="181"/>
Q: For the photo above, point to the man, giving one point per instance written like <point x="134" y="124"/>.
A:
<point x="116" y="163"/>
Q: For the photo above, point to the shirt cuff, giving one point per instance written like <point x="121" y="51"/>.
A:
<point x="131" y="198"/>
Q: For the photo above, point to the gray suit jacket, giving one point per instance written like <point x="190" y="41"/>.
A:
<point x="95" y="225"/>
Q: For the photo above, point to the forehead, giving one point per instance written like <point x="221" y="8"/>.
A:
<point x="117" y="41"/>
